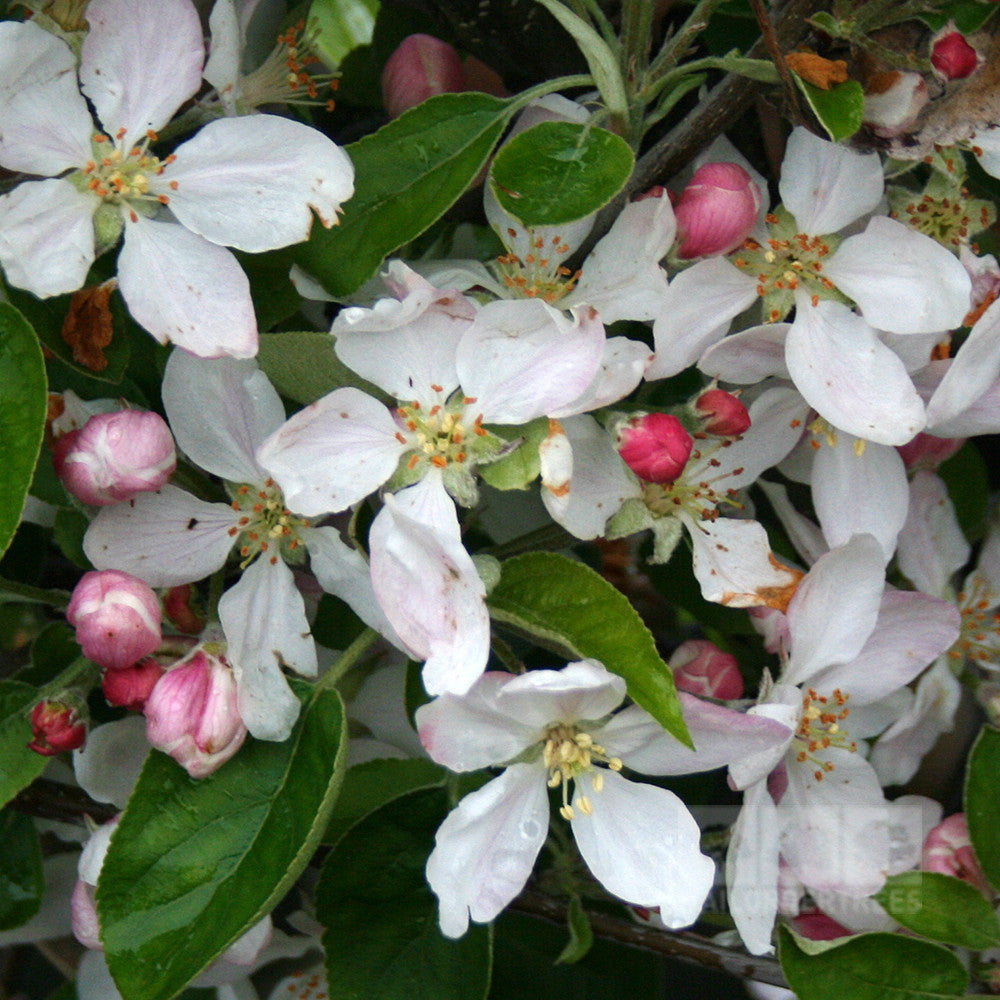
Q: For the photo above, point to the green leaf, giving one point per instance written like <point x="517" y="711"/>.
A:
<point x="564" y="602"/>
<point x="872" y="967"/>
<point x="68" y="531"/>
<point x="968" y="484"/>
<point x="941" y="907"/>
<point x="23" y="403"/>
<point x="839" y="109"/>
<point x="21" y="878"/>
<point x="581" y="934"/>
<point x="407" y="174"/>
<point x="194" y="863"/>
<point x="54" y="650"/>
<point x="302" y="366"/>
<point x="369" y="786"/>
<point x="339" y="26"/>
<point x="521" y="467"/>
<point x="274" y="296"/>
<point x="968" y="15"/>
<point x="558" y="172"/>
<point x="382" y="940"/>
<point x="19" y="766"/>
<point x="982" y="803"/>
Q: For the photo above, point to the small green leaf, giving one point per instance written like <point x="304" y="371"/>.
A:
<point x="581" y="934"/>
<point x="558" y="172"/>
<point x="407" y="174"/>
<point x="941" y="907"/>
<point x="21" y="878"/>
<point x="339" y="26"/>
<point x="54" y="650"/>
<point x="982" y="803"/>
<point x="23" y="402"/>
<point x="194" y="863"/>
<point x="303" y="367"/>
<point x="19" y="766"/>
<point x="521" y="467"/>
<point x="274" y="296"/>
<point x="872" y="967"/>
<point x="839" y="109"/>
<point x="369" y="786"/>
<point x="968" y="484"/>
<point x="968" y="15"/>
<point x="564" y="602"/>
<point x="382" y="940"/>
<point x="68" y="531"/>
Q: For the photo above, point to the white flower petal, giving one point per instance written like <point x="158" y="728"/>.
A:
<point x="222" y="68"/>
<point x="140" y="61"/>
<point x="803" y="533"/>
<point x="932" y="547"/>
<point x="826" y="186"/>
<point x="165" y="538"/>
<point x="251" y="182"/>
<point x="486" y="847"/>
<point x="643" y="845"/>
<point x="902" y="281"/>
<point x="220" y="411"/>
<point x="748" y="357"/>
<point x="47" y="236"/>
<point x="263" y="617"/>
<point x="581" y="690"/>
<point x="107" y="766"/>
<point x="185" y="290"/>
<point x="622" y="367"/>
<point x="849" y="376"/>
<point x="333" y="453"/>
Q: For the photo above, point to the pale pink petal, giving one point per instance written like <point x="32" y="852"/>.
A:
<point x="748" y="357"/>
<point x="475" y="730"/>
<point x="700" y="304"/>
<point x="45" y="127"/>
<point x="784" y="706"/>
<point x="486" y="847"/>
<point x="47" y="236"/>
<point x="752" y="870"/>
<point x="972" y="372"/>
<point x="185" y="290"/>
<point x="835" y="831"/>
<point x="252" y="182"/>
<point x="622" y="277"/>
<point x="856" y="494"/>
<point x="428" y="586"/>
<point x="333" y="453"/>
<point x="622" y="367"/>
<point x="733" y="562"/>
<point x="523" y="359"/>
<point x="581" y="690"/>
<point x="902" y="281"/>
<point x="981" y="417"/>
<point x="107" y="766"/>
<point x="835" y="608"/>
<point x="643" y="845"/>
<point x="912" y="630"/>
<point x="263" y="617"/>
<point x="165" y="538"/>
<point x="827" y="186"/>
<point x="932" y="547"/>
<point x="849" y="376"/>
<point x="140" y="61"/>
<point x="220" y="411"/>
<point x="987" y="143"/>
<point x="803" y="533"/>
<point x="222" y="68"/>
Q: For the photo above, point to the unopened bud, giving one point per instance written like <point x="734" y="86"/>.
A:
<point x="83" y="912"/>
<point x="655" y="447"/>
<point x="701" y="668"/>
<point x="116" y="617"/>
<point x="56" y="726"/>
<point x="421" y="67"/>
<point x="177" y="606"/>
<point x="926" y="451"/>
<point x="115" y="456"/>
<point x="717" y="210"/>
<point x="192" y="714"/>
<point x="131" y="686"/>
<point x="953" y="57"/>
<point x="722" y="412"/>
<point x="893" y="101"/>
<point x="948" y="850"/>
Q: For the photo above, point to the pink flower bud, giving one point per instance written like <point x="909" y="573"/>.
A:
<point x="130" y="687"/>
<point x="192" y="714"/>
<point x="948" y="850"/>
<point x="421" y="67"/>
<point x="953" y="57"/>
<point x="115" y="456"/>
<point x="116" y="617"/>
<point x="655" y="447"/>
<point x="926" y="451"/>
<point x="722" y="412"/>
<point x="177" y="606"/>
<point x="83" y="912"/>
<point x="56" y="726"/>
<point x="701" y="668"/>
<point x="717" y="210"/>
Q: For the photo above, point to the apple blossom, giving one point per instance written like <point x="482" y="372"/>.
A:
<point x="717" y="210"/>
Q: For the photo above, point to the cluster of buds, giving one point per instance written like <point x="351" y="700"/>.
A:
<point x="115" y="456"/>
